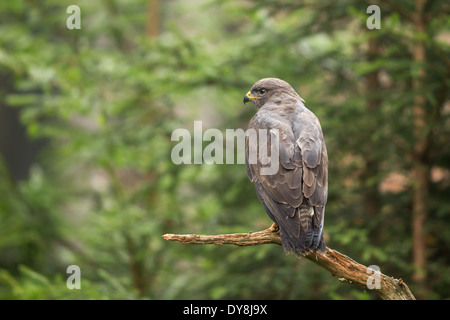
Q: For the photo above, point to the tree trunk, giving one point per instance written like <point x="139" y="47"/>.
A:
<point x="153" y="18"/>
<point x="420" y="148"/>
<point x="372" y="88"/>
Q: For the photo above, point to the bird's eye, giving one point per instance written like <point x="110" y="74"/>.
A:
<point x="262" y="91"/>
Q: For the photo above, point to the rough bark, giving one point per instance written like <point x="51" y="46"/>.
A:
<point x="338" y="264"/>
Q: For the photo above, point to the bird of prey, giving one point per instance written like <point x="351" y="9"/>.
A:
<point x="294" y="196"/>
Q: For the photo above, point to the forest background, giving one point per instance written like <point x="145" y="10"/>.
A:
<point x="86" y="117"/>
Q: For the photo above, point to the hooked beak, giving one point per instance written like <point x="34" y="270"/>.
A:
<point x="249" y="97"/>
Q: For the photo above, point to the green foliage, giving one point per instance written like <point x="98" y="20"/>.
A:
<point x="106" y="98"/>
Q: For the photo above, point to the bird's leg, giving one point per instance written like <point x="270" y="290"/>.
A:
<point x="274" y="227"/>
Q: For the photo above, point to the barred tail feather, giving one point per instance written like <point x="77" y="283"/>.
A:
<point x="310" y="237"/>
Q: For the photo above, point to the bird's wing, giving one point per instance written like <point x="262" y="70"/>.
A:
<point x="302" y="172"/>
<point x="314" y="161"/>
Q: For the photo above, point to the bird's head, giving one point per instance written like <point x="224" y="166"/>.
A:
<point x="269" y="88"/>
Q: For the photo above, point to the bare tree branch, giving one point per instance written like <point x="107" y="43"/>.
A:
<point x="338" y="264"/>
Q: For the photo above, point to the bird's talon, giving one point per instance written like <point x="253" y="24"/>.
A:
<point x="274" y="227"/>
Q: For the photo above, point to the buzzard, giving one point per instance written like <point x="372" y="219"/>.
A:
<point x="294" y="196"/>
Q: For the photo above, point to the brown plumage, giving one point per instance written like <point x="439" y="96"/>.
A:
<point x="295" y="195"/>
